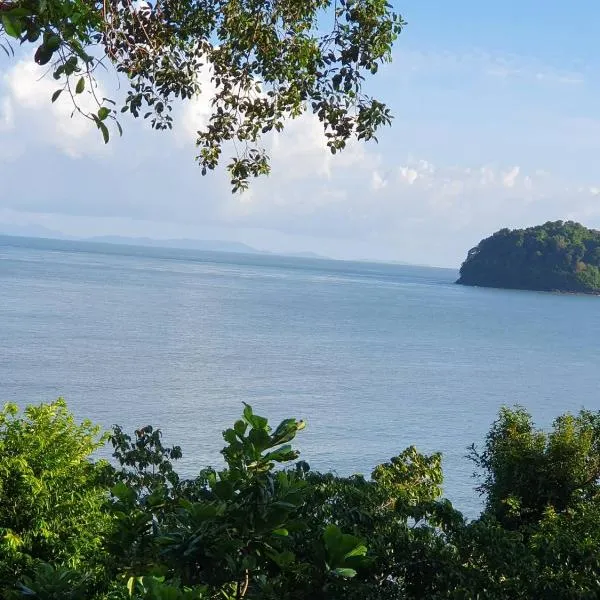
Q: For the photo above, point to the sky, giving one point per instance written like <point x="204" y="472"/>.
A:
<point x="497" y="124"/>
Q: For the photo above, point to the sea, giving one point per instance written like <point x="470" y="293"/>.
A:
<point x="374" y="357"/>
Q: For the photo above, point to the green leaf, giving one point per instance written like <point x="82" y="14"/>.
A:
<point x="103" y="112"/>
<point x="360" y="550"/>
<point x="12" y="27"/>
<point x="344" y="572"/>
<point x="230" y="436"/>
<point x="258" y="422"/>
<point x="53" y="43"/>
<point x="42" y="55"/>
<point x="283" y="454"/>
<point x="104" y="129"/>
<point x="247" y="412"/>
<point x="131" y="585"/>
<point x="341" y="546"/>
<point x="331" y="534"/>
<point x="80" y="86"/>
<point x="259" y="437"/>
<point x="281" y="532"/>
<point x="19" y="11"/>
<point x="56" y="94"/>
<point x="286" y="430"/>
<point x="123" y="492"/>
<point x="240" y="427"/>
<point x="71" y="66"/>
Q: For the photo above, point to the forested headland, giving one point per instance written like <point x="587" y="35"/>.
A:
<point x="557" y="256"/>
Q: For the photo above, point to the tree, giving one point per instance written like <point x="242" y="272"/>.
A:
<point x="528" y="472"/>
<point x="268" y="61"/>
<point x="52" y="496"/>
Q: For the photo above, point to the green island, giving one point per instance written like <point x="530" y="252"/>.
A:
<point x="555" y="257"/>
<point x="264" y="526"/>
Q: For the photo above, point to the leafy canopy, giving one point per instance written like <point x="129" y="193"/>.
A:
<point x="527" y="472"/>
<point x="268" y="61"/>
<point x="52" y="496"/>
<point x="266" y="527"/>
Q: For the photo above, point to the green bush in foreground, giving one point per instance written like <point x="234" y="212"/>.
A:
<point x="267" y="527"/>
<point x="53" y="504"/>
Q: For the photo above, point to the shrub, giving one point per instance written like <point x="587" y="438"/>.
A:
<point x="53" y="497"/>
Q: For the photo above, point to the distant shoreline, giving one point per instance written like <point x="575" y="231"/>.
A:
<point x="524" y="289"/>
<point x="219" y="247"/>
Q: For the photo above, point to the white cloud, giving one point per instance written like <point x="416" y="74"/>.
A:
<point x="28" y="93"/>
<point x="408" y="175"/>
<point x="377" y="181"/>
<point x="510" y="177"/>
<point x="301" y="148"/>
<point x="487" y="176"/>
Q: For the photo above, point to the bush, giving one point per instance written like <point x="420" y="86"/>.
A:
<point x="268" y="528"/>
<point x="53" y="497"/>
<point x="527" y="471"/>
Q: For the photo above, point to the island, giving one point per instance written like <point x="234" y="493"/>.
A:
<point x="558" y="256"/>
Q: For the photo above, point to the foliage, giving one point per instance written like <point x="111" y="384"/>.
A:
<point x="528" y="472"/>
<point x="268" y="61"/>
<point x="52" y="497"/>
<point x="144" y="493"/>
<point x="225" y="532"/>
<point x="266" y="527"/>
<point x="556" y="256"/>
<point x="48" y="582"/>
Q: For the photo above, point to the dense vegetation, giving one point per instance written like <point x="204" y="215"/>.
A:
<point x="73" y="528"/>
<point x="556" y="256"/>
<point x="267" y="62"/>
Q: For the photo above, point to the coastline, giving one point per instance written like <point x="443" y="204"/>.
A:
<point x="526" y="289"/>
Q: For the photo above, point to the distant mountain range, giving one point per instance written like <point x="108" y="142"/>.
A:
<point x="189" y="244"/>
<point x="183" y="244"/>
<point x="39" y="231"/>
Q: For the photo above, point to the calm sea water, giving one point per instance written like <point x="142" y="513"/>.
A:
<point x="374" y="357"/>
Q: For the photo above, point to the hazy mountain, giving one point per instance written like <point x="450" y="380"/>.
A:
<point x="184" y="244"/>
<point x="38" y="231"/>
<point x="189" y="244"/>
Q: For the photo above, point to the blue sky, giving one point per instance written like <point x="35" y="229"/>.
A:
<point x="544" y="28"/>
<point x="497" y="124"/>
